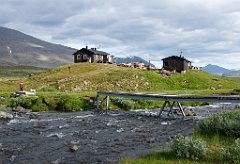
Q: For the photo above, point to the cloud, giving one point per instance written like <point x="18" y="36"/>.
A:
<point x="206" y="31"/>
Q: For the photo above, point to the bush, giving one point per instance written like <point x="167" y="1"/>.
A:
<point x="61" y="102"/>
<point x="232" y="152"/>
<point x="143" y="104"/>
<point x="28" y="101"/>
<point x="123" y="103"/>
<point x="227" y="124"/>
<point x="73" y="105"/>
<point x="51" y="102"/>
<point x="39" y="107"/>
<point x="14" y="102"/>
<point x="188" y="148"/>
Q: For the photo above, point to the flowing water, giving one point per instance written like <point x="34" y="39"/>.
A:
<point x="99" y="137"/>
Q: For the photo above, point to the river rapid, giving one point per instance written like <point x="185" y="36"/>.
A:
<point x="92" y="136"/>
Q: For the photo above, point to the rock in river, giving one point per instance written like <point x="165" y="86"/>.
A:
<point x="5" y="115"/>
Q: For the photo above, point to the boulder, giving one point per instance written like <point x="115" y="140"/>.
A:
<point x="5" y="115"/>
<point x="73" y="148"/>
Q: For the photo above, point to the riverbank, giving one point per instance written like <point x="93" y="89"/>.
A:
<point x="98" y="137"/>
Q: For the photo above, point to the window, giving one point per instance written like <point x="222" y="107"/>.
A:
<point x="85" y="57"/>
<point x="78" y="57"/>
<point x="166" y="64"/>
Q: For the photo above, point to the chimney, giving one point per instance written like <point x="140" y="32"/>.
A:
<point x="86" y="47"/>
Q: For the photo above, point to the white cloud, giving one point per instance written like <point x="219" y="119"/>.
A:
<point x="206" y="31"/>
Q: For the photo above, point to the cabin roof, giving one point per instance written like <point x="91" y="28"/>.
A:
<point x="177" y="57"/>
<point x="93" y="50"/>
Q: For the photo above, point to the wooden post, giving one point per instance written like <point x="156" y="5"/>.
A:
<point x="181" y="109"/>
<point x="107" y="103"/>
<point x="171" y="108"/>
<point x="161" y="110"/>
<point x="97" y="100"/>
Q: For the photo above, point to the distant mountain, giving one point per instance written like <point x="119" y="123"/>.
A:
<point x="119" y="60"/>
<point x="21" y="49"/>
<point x="215" y="70"/>
<point x="232" y="74"/>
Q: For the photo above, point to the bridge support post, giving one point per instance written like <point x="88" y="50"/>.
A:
<point x="107" y="103"/>
<point x="162" y="108"/>
<point x="171" y="108"/>
<point x="97" y="101"/>
<point x="170" y="111"/>
<point x="181" y="109"/>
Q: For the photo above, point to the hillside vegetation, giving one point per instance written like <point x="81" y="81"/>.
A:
<point x="18" y="71"/>
<point x="108" y="77"/>
<point x="11" y="75"/>
<point x="73" y="87"/>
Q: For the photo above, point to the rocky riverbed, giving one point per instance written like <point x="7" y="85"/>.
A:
<point x="91" y="137"/>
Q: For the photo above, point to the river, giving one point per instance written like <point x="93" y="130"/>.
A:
<point x="92" y="136"/>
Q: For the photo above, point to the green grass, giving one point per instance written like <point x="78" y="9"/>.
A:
<point x="105" y="77"/>
<point x="81" y="79"/>
<point x="11" y="76"/>
<point x="215" y="153"/>
<point x="19" y="71"/>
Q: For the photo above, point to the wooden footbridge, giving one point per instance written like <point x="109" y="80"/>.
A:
<point x="169" y="100"/>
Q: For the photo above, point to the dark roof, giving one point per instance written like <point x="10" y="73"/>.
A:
<point x="177" y="57"/>
<point x="98" y="52"/>
<point x="95" y="51"/>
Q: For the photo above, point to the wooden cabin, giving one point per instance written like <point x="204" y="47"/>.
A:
<point x="92" y="55"/>
<point x="177" y="63"/>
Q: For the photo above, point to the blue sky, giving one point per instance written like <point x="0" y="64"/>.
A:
<point x="207" y="31"/>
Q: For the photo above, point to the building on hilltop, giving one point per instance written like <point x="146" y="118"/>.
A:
<point x="177" y="63"/>
<point x="92" y="55"/>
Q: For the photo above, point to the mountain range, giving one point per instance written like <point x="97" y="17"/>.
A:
<point x="232" y="74"/>
<point x="215" y="70"/>
<point x="130" y="59"/>
<point x="21" y="49"/>
<point x="17" y="48"/>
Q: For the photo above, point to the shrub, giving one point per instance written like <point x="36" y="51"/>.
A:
<point x="141" y="103"/>
<point x="232" y="152"/>
<point x="188" y="148"/>
<point x="123" y="103"/>
<point x="227" y="123"/>
<point x="14" y="102"/>
<point x="61" y="102"/>
<point x="73" y="105"/>
<point x="28" y="101"/>
<point x="39" y="107"/>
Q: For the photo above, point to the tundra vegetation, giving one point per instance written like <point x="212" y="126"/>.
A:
<point x="73" y="87"/>
<point x="216" y="140"/>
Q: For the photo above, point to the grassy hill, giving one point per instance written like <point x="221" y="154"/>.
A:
<point x="105" y="77"/>
<point x="11" y="75"/>
<point x="71" y="87"/>
<point x="18" y="71"/>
